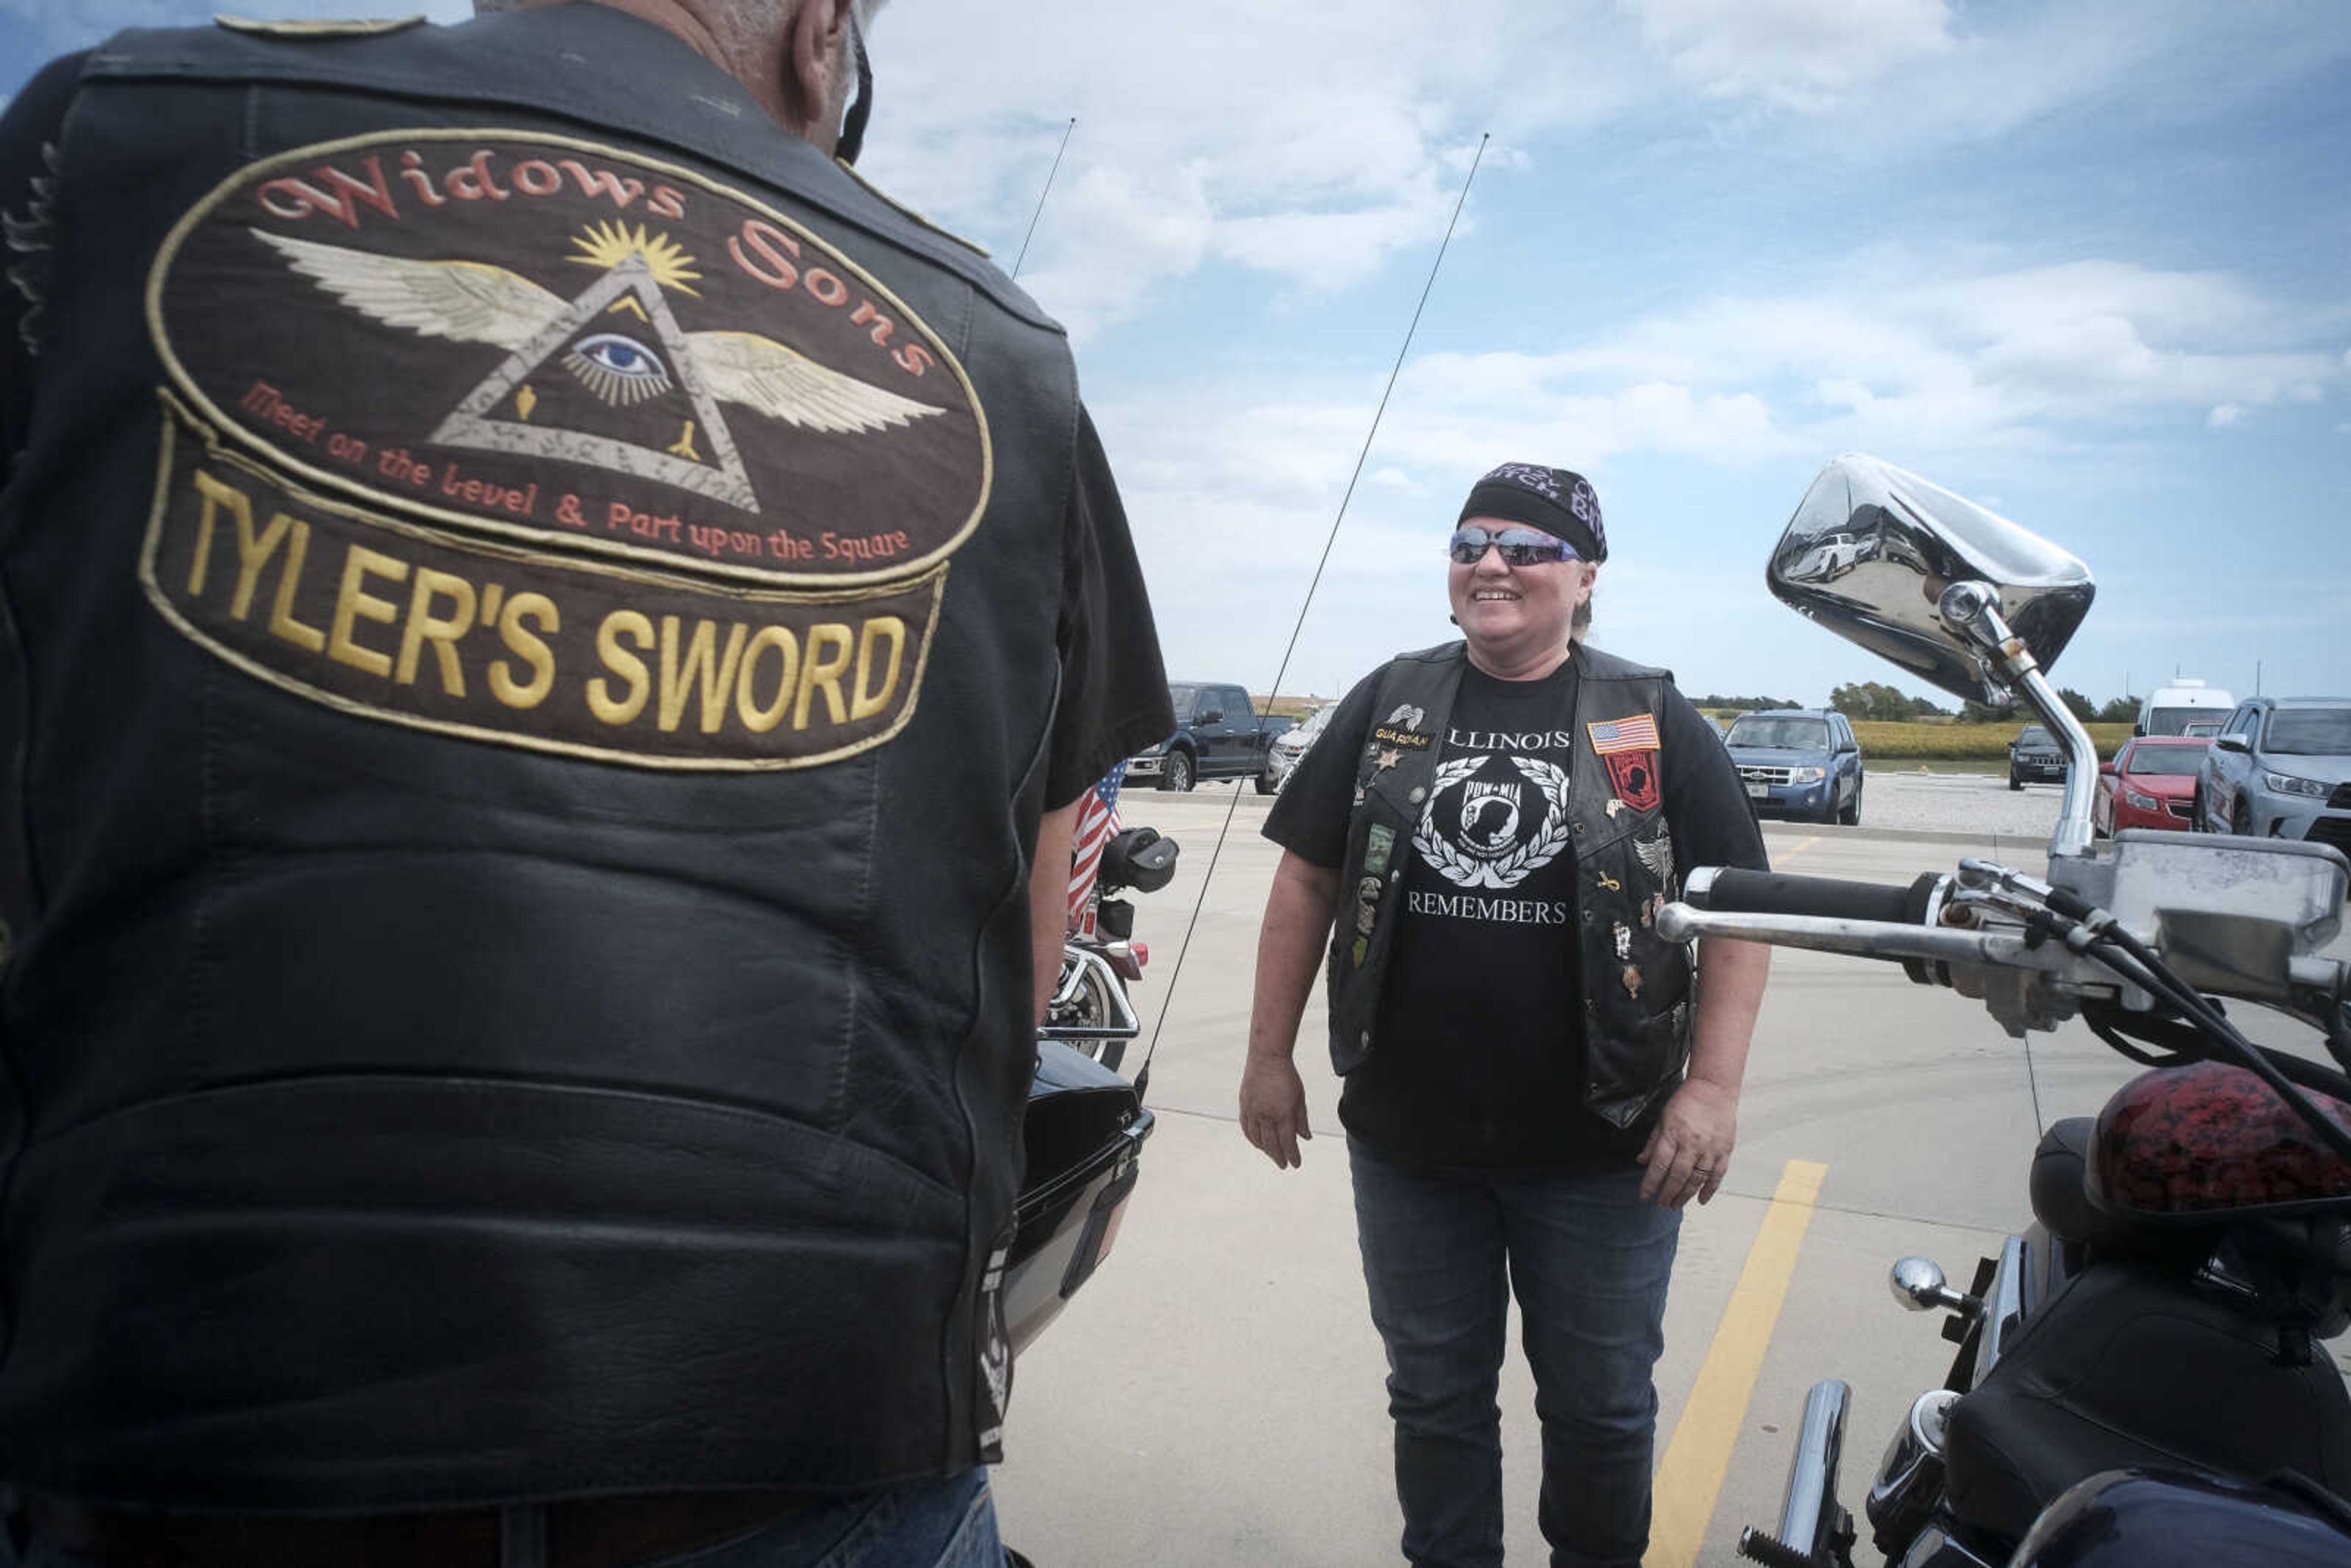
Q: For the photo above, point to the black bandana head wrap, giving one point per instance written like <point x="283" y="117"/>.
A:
<point x="1561" y="504"/>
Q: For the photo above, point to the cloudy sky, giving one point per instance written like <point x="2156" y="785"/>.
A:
<point x="2082" y="260"/>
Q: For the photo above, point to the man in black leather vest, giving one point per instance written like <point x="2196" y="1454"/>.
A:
<point x="1535" y="1081"/>
<point x="543" y="627"/>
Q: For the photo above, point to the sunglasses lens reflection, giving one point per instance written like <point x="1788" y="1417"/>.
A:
<point x="1520" y="547"/>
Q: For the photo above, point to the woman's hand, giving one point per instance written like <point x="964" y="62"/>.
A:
<point x="1273" y="1108"/>
<point x="1689" y="1152"/>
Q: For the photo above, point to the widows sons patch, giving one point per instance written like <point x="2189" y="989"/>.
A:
<point x="609" y="409"/>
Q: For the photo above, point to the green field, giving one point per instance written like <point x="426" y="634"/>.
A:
<point x="1961" y="742"/>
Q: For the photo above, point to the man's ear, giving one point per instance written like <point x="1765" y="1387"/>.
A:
<point x="816" y="64"/>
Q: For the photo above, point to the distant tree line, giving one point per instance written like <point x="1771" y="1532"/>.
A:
<point x="2114" y="710"/>
<point x="1745" y="704"/>
<point x="1876" y="700"/>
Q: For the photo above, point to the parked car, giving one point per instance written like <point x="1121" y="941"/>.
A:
<point x="1832" y="558"/>
<point x="1800" y="763"/>
<point x="2150" y="783"/>
<point x="1283" y="755"/>
<point x="1219" y="733"/>
<point x="2280" y="769"/>
<point x="2034" y="757"/>
<point x="2170" y="710"/>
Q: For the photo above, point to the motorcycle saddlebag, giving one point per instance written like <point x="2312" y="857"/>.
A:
<point x="1082" y="1137"/>
<point x="2137" y="1519"/>
<point x="2133" y="1365"/>
<point x="1141" y="859"/>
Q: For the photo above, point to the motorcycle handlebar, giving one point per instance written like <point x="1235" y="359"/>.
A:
<point x="1731" y="891"/>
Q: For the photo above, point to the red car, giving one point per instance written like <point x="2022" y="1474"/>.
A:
<point x="2151" y="783"/>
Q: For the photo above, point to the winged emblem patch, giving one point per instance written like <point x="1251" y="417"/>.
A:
<point x="545" y="444"/>
<point x="627" y="361"/>
<point x="539" y="335"/>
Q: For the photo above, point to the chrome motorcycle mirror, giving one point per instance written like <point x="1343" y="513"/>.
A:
<point x="1871" y="550"/>
<point x="1919" y="1287"/>
<point x="1948" y="590"/>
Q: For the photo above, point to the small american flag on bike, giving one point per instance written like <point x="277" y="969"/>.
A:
<point x="1097" y="823"/>
<point x="1636" y="734"/>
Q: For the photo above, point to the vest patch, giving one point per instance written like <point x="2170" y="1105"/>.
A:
<point x="1634" y="775"/>
<point x="419" y="626"/>
<point x="548" y="340"/>
<point x="322" y="27"/>
<point x="1629" y="746"/>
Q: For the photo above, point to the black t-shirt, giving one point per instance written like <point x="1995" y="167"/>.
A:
<point x="1113" y="685"/>
<point x="1479" y="1059"/>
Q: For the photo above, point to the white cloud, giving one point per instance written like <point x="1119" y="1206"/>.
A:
<point x="1797" y="53"/>
<point x="2082" y="361"/>
<point x="1880" y="80"/>
<point x="1989" y="359"/>
<point x="1285" y="139"/>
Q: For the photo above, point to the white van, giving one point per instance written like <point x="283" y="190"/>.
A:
<point x="2170" y="710"/>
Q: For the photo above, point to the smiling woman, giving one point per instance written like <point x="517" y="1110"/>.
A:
<point x="1485" y="834"/>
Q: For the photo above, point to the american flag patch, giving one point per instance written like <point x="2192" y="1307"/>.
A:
<point x="1636" y="734"/>
<point x="1097" y="824"/>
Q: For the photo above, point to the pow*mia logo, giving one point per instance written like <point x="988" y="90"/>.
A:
<point x="1484" y="831"/>
<point x="538" y="337"/>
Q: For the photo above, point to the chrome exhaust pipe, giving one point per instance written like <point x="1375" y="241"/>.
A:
<point x="1805" y="1519"/>
<point x="1811" y="1521"/>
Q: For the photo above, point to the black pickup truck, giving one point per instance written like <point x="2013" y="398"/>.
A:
<point x="1219" y="733"/>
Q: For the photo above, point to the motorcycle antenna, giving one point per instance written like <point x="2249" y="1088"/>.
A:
<point x="1167" y="997"/>
<point x="1048" y="191"/>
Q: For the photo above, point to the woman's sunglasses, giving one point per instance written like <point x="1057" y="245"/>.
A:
<point x="1520" y="547"/>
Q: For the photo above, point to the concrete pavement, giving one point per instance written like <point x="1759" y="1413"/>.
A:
<point x="1215" y="1396"/>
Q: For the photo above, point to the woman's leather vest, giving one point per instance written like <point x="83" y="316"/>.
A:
<point x="531" y="608"/>
<point x="1636" y="985"/>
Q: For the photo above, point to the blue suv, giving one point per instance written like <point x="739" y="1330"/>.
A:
<point x="1800" y="763"/>
<point x="2279" y="768"/>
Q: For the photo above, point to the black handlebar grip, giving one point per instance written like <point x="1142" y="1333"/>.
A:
<point x="1731" y="891"/>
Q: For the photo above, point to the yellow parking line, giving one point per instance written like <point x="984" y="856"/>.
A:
<point x="1791" y="853"/>
<point x="1698" y="1454"/>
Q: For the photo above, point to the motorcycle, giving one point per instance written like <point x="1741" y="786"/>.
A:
<point x="1090" y="1010"/>
<point x="1084" y="1127"/>
<point x="2139" y="1376"/>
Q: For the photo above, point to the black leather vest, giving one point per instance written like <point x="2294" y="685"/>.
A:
<point x="532" y="601"/>
<point x="1636" y="985"/>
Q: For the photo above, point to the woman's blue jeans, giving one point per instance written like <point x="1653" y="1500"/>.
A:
<point x="1443" y="1248"/>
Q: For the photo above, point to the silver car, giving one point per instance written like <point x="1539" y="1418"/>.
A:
<point x="2281" y="768"/>
<point x="1291" y="744"/>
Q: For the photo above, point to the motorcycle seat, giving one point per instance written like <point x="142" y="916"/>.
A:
<point x="2059" y="1199"/>
<point x="2061" y="1203"/>
<point x="2130" y="1364"/>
